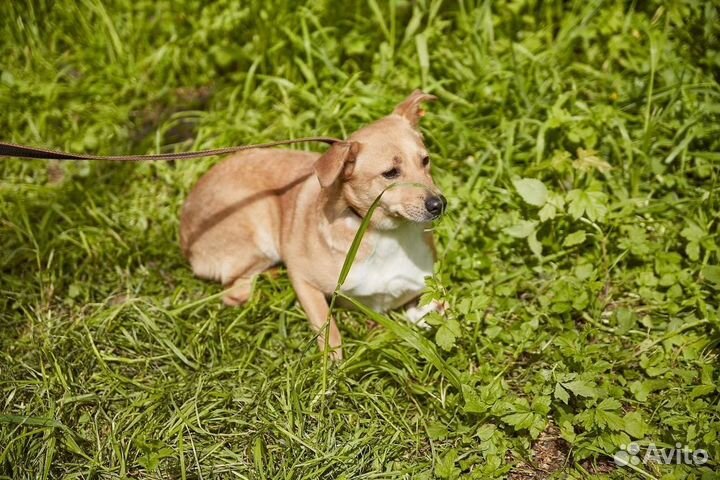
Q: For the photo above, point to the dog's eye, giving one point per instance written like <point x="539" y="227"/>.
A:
<point x="392" y="173"/>
<point x="426" y="161"/>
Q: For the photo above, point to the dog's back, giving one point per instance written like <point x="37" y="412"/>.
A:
<point x="236" y="202"/>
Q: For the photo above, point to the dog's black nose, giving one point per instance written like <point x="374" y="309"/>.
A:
<point x="435" y="205"/>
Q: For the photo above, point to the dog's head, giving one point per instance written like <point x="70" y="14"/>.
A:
<point x="388" y="151"/>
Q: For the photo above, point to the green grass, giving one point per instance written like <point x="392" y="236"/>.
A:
<point x="583" y="303"/>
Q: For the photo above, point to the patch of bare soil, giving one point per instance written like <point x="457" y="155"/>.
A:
<point x="550" y="454"/>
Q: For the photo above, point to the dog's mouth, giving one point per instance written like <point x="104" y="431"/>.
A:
<point x="422" y="210"/>
<point x="413" y="213"/>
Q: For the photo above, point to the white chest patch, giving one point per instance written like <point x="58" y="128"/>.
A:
<point x="395" y="272"/>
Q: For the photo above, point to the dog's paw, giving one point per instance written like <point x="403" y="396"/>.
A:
<point x="239" y="293"/>
<point x="441" y="306"/>
<point x="416" y="314"/>
<point x="335" y="355"/>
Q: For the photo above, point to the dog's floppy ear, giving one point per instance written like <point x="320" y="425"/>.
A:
<point x="340" y="158"/>
<point x="411" y="108"/>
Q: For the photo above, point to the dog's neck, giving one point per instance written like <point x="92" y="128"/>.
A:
<point x="333" y="206"/>
<point x="352" y="210"/>
<point x="338" y="221"/>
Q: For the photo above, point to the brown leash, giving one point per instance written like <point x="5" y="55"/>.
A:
<point x="23" y="151"/>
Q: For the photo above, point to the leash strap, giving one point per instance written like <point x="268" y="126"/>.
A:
<point x="23" y="151"/>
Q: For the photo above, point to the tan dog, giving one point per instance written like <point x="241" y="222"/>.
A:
<point x="260" y="207"/>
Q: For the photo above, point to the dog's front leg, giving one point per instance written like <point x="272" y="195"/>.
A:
<point x="316" y="308"/>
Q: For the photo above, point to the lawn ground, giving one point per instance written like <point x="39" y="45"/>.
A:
<point x="577" y="143"/>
